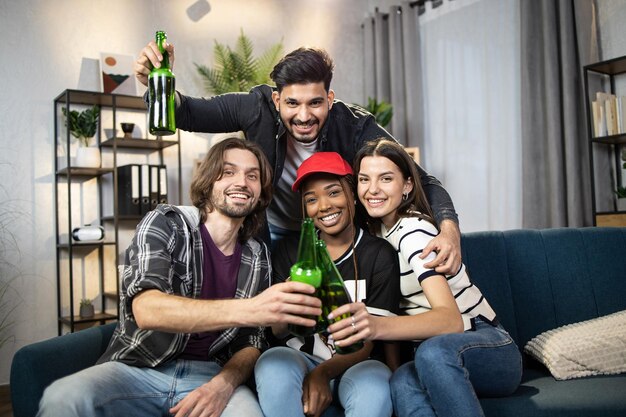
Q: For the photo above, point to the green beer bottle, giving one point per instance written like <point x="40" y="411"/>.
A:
<point x="161" y="93"/>
<point x="306" y="269"/>
<point x="333" y="292"/>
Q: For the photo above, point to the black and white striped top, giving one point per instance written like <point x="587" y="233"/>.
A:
<point x="409" y="236"/>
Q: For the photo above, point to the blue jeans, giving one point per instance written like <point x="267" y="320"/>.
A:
<point x="450" y="370"/>
<point x="362" y="390"/>
<point x="115" y="389"/>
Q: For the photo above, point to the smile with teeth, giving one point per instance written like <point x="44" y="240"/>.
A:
<point x="330" y="219"/>
<point x="238" y="196"/>
<point x="304" y="126"/>
<point x="375" y="201"/>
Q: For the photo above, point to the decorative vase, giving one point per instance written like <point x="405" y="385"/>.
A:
<point x="86" y="311"/>
<point x="88" y="157"/>
<point x="128" y="128"/>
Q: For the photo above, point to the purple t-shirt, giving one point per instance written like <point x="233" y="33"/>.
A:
<point x="219" y="280"/>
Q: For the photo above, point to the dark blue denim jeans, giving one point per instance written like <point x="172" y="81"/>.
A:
<point x="451" y="370"/>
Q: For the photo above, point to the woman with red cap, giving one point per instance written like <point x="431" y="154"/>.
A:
<point x="305" y="376"/>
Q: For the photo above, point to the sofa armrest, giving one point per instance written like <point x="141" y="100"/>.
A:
<point x="36" y="366"/>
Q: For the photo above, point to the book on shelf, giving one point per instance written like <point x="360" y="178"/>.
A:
<point x="611" y="115"/>
<point x="599" y="121"/>
<point x="608" y="114"/>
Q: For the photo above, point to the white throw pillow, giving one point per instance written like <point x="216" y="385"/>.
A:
<point x="592" y="347"/>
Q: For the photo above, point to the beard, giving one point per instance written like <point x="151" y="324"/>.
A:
<point x="300" y="137"/>
<point x="233" y="210"/>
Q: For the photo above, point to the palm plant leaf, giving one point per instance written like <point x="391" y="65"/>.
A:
<point x="225" y="65"/>
<point x="213" y="80"/>
<point x="266" y="63"/>
<point x="237" y="69"/>
<point x="243" y="56"/>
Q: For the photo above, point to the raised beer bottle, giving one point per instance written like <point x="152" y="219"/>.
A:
<point x="333" y="292"/>
<point x="306" y="270"/>
<point x="161" y="93"/>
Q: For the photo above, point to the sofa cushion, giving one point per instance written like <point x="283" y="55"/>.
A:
<point x="591" y="347"/>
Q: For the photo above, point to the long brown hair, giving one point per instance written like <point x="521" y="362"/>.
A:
<point x="415" y="204"/>
<point x="211" y="170"/>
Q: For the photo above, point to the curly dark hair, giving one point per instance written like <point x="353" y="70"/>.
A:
<point x="304" y="66"/>
<point x="211" y="170"/>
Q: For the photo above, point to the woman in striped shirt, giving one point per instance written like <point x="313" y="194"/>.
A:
<point x="460" y="349"/>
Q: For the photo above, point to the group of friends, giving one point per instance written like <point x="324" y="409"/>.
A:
<point x="206" y="298"/>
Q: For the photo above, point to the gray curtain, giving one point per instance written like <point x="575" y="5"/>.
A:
<point x="392" y="56"/>
<point x="381" y="54"/>
<point x="557" y="40"/>
<point x="414" y="98"/>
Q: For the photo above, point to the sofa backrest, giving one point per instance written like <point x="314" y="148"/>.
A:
<point x="538" y="280"/>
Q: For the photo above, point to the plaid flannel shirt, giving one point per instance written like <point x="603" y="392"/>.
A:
<point x="166" y="255"/>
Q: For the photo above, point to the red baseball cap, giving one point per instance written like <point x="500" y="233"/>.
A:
<point x="321" y="162"/>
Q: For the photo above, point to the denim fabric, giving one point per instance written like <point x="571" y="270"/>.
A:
<point x="449" y="371"/>
<point x="362" y="391"/>
<point x="116" y="389"/>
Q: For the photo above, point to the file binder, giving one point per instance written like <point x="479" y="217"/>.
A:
<point x="162" y="185"/>
<point x="154" y="186"/>
<point x="145" y="189"/>
<point x="128" y="186"/>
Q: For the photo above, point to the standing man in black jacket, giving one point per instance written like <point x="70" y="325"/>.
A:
<point x="293" y="120"/>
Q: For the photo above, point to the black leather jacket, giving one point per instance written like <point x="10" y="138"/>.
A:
<point x="347" y="128"/>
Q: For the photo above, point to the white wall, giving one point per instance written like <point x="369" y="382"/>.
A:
<point x="42" y="47"/>
<point x="611" y="20"/>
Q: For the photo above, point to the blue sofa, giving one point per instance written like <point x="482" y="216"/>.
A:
<point x="536" y="280"/>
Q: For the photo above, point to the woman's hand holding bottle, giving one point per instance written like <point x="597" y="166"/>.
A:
<point x="360" y="326"/>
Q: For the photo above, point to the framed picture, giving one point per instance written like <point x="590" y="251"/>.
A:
<point x="415" y="153"/>
<point x="117" y="74"/>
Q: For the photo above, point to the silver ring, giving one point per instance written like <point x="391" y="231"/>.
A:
<point x="354" y="327"/>
<point x="353" y="320"/>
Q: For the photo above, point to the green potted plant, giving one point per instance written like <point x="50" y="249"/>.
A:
<point x="382" y="111"/>
<point x="621" y="198"/>
<point x="83" y="126"/>
<point x="237" y="70"/>
<point x="86" y="308"/>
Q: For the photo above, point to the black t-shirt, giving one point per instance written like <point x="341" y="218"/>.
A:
<point x="378" y="283"/>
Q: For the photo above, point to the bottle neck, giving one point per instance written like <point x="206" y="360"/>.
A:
<point x="165" y="63"/>
<point x="306" y="247"/>
<point x="161" y="40"/>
